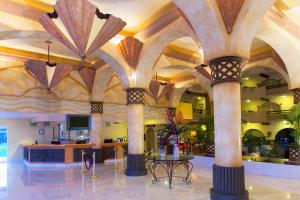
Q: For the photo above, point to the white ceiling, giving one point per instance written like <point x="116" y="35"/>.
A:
<point x="134" y="12"/>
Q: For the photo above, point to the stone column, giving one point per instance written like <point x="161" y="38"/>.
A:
<point x="96" y="122"/>
<point x="296" y="93"/>
<point x="136" y="156"/>
<point x="228" y="171"/>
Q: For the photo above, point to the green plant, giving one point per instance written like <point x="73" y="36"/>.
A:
<point x="206" y="129"/>
<point x="293" y="119"/>
<point x="251" y="141"/>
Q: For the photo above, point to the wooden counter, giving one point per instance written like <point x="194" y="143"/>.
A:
<point x="118" y="146"/>
<point x="51" y="153"/>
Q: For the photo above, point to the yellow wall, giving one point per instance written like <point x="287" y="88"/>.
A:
<point x="286" y="101"/>
<point x="251" y="82"/>
<point x="251" y="105"/>
<point x="186" y="109"/>
<point x="199" y="103"/>
<point x="114" y="131"/>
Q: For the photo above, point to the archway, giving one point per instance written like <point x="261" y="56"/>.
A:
<point x="252" y="139"/>
<point x="150" y="139"/>
<point x="283" y="139"/>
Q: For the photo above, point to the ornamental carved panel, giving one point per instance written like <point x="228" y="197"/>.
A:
<point x="135" y="96"/>
<point x="226" y="69"/>
<point x="96" y="107"/>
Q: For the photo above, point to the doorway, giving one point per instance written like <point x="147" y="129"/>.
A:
<point x="150" y="139"/>
<point x="3" y="144"/>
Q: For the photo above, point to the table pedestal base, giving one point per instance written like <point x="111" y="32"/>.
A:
<point x="169" y="166"/>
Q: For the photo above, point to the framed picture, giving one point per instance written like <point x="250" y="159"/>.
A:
<point x="42" y="131"/>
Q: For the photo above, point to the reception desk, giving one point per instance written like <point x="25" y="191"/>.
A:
<point x="71" y="153"/>
<point x="116" y="146"/>
<point x="51" y="153"/>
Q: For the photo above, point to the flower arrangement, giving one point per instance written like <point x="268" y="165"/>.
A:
<point x="172" y="129"/>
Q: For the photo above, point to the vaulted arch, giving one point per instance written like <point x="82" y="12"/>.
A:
<point x="154" y="46"/>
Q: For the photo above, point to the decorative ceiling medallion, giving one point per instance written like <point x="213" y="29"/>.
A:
<point x="80" y="26"/>
<point x="131" y="49"/>
<point x="158" y="90"/>
<point x="46" y="75"/>
<point x="230" y="10"/>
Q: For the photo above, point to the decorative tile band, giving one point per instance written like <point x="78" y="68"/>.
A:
<point x="96" y="107"/>
<point x="226" y="69"/>
<point x="135" y="96"/>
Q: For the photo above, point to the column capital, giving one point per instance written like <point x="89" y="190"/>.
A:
<point x="296" y="93"/>
<point x="226" y="69"/>
<point x="135" y="96"/>
<point x="96" y="107"/>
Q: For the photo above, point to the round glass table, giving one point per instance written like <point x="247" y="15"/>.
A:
<point x="169" y="163"/>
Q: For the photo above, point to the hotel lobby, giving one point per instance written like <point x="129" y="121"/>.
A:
<point x="158" y="100"/>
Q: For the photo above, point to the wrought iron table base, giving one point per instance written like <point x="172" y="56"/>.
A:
<point x="169" y="166"/>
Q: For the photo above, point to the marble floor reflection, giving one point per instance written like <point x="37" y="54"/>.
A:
<point x="23" y="183"/>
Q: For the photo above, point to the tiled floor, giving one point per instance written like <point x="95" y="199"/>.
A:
<point x="69" y="184"/>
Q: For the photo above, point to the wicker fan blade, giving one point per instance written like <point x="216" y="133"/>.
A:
<point x="88" y="76"/>
<point x="112" y="27"/>
<point x="203" y="71"/>
<point x="154" y="89"/>
<point x="167" y="91"/>
<point x="37" y="69"/>
<point x="51" y="28"/>
<point x="61" y="71"/>
<point x="77" y="16"/>
<point x="131" y="49"/>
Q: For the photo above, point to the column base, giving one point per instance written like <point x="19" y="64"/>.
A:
<point x="136" y="165"/>
<point x="228" y="184"/>
<point x="217" y="196"/>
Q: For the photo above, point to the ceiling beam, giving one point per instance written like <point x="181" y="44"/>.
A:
<point x="22" y="55"/>
<point x="269" y="54"/>
<point x="162" y="19"/>
<point x="182" y="54"/>
<point x="42" y="6"/>
<point x="284" y="22"/>
<point x="280" y="5"/>
<point x="16" y="8"/>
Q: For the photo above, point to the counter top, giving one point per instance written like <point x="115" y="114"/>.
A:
<point x="58" y="146"/>
<point x="113" y="144"/>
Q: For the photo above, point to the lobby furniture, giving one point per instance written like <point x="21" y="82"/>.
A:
<point x="169" y="163"/>
<point x="63" y="154"/>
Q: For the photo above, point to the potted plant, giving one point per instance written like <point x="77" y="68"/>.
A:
<point x="253" y="141"/>
<point x="207" y="130"/>
<point x="170" y="133"/>
<point x="294" y="120"/>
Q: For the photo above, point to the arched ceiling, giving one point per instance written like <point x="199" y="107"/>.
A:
<point x="22" y="36"/>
